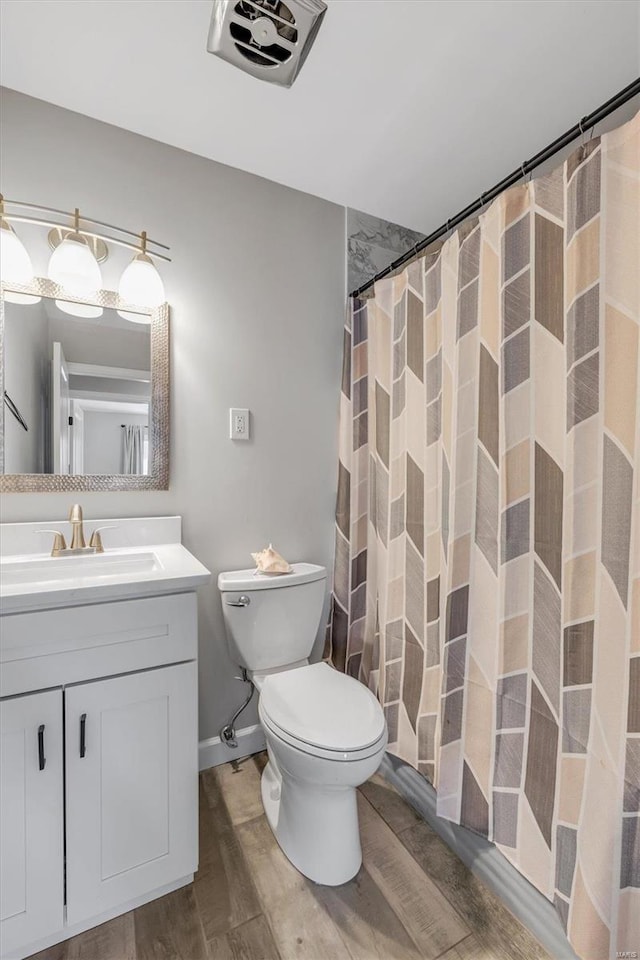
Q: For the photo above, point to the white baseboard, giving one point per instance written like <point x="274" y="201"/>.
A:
<point x="213" y="751"/>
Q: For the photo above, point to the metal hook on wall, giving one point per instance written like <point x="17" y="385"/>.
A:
<point x="583" y="133"/>
<point x="415" y="252"/>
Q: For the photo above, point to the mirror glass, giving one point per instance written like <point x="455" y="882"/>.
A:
<point x="77" y="389"/>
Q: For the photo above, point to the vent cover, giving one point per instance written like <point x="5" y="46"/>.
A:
<point x="269" y="39"/>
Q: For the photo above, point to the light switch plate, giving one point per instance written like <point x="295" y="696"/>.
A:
<point x="238" y="423"/>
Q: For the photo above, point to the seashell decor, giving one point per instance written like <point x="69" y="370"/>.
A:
<point x="270" y="561"/>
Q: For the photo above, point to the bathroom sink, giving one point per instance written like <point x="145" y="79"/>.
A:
<point x="143" y="557"/>
<point x="93" y="567"/>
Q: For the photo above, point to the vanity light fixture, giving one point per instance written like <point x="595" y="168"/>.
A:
<point x="73" y="266"/>
<point x="141" y="284"/>
<point x="15" y="262"/>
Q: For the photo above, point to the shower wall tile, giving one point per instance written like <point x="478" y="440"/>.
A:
<point x="372" y="244"/>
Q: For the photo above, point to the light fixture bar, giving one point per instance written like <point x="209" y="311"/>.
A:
<point x="70" y="215"/>
<point x="22" y="218"/>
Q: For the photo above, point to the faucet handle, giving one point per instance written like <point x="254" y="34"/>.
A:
<point x="75" y="514"/>
<point x="95" y="540"/>
<point x="59" y="542"/>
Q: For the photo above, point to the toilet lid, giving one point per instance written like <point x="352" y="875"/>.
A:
<point x="323" y="708"/>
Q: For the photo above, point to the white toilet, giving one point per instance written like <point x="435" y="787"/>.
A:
<point x="325" y="731"/>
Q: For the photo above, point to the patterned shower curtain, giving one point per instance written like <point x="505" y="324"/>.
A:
<point x="487" y="572"/>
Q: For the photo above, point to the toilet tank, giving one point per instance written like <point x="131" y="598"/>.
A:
<point x="272" y="619"/>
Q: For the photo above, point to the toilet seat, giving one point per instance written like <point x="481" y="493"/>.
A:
<point x="315" y="751"/>
<point x="323" y="712"/>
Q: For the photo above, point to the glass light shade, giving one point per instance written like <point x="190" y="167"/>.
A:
<point x="85" y="310"/>
<point x="134" y="317"/>
<point x="74" y="267"/>
<point x="15" y="262"/>
<point x="12" y="296"/>
<point x="141" y="284"/>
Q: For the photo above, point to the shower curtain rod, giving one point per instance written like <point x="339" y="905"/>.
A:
<point x="626" y="94"/>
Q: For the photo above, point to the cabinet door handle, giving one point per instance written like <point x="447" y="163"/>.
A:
<point x="41" y="757"/>
<point x="83" y="735"/>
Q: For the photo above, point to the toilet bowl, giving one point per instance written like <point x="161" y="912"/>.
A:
<point x="325" y="731"/>
<point x="325" y="736"/>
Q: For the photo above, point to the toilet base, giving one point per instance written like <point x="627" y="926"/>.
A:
<point x="315" y="826"/>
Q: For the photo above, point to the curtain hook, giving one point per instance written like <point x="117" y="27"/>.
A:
<point x="583" y="132"/>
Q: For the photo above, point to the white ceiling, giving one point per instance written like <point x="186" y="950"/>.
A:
<point x="405" y="109"/>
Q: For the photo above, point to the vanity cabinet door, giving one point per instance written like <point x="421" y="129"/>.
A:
<point x="31" y="819"/>
<point x="132" y="787"/>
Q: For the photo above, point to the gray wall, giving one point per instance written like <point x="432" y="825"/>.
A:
<point x="103" y="440"/>
<point x="256" y="288"/>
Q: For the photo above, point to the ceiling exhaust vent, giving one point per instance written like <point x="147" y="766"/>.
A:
<point x="269" y="39"/>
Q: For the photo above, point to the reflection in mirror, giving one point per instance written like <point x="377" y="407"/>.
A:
<point x="77" y="390"/>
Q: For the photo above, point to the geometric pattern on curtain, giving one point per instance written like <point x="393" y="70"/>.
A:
<point x="487" y="566"/>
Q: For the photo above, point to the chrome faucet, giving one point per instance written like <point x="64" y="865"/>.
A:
<point x="78" y="543"/>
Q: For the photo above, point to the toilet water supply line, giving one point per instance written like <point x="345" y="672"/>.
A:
<point x="228" y="732"/>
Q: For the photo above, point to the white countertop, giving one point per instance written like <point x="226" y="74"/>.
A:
<point x="117" y="574"/>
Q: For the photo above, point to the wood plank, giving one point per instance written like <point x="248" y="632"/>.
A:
<point x="239" y="785"/>
<point x="426" y="914"/>
<point x="169" y="928"/>
<point x="302" y="928"/>
<point x="493" y="925"/>
<point x="56" y="952"/>
<point x="251" y="941"/>
<point x="114" y="940"/>
<point x="391" y="806"/>
<point x="224" y="890"/>
<point x="367" y="924"/>
<point x="469" y="949"/>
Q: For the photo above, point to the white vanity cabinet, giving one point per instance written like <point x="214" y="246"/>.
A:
<point x="31" y="818"/>
<point x="131" y="754"/>
<point x="105" y="758"/>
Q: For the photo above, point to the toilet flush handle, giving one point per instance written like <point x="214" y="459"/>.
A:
<point x="242" y="601"/>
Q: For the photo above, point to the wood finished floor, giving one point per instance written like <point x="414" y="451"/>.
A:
<point x="413" y="898"/>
